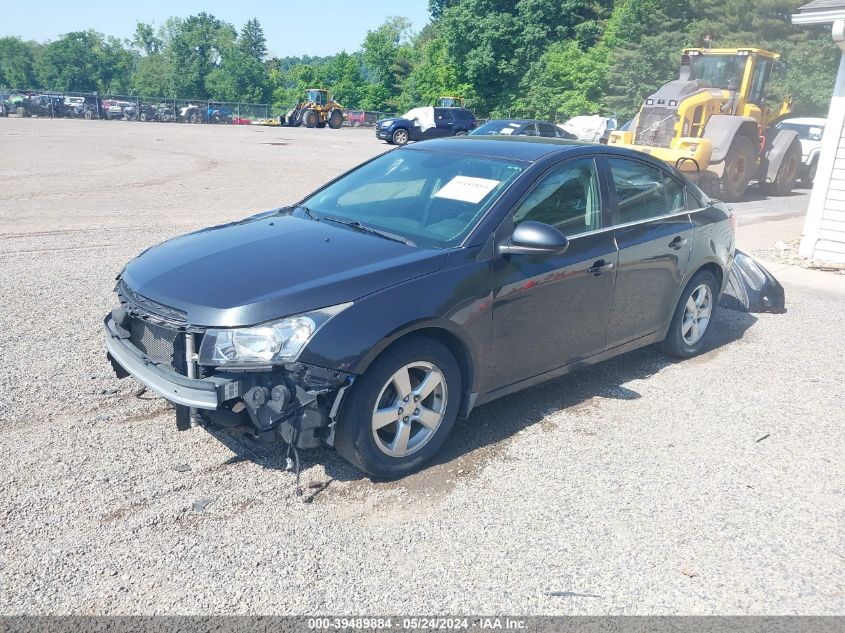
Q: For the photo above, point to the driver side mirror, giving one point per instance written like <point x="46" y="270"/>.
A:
<point x="534" y="238"/>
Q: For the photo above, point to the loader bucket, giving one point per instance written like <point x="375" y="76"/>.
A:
<point x="752" y="288"/>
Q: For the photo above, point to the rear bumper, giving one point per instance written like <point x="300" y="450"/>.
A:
<point x="190" y="392"/>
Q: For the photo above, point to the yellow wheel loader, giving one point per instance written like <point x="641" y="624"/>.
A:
<point x="450" y="102"/>
<point x="716" y="124"/>
<point x="318" y="110"/>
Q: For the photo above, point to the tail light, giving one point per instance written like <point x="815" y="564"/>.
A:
<point x="762" y="144"/>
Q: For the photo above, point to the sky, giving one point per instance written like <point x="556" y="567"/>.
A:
<point x="291" y="27"/>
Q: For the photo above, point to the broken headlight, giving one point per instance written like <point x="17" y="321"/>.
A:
<point x="273" y="343"/>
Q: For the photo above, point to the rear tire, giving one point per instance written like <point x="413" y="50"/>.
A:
<point x="788" y="171"/>
<point x="740" y="165"/>
<point x="399" y="413"/>
<point x="691" y="323"/>
<point x="809" y="175"/>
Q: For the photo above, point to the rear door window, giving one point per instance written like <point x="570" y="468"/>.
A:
<point x="640" y="190"/>
<point x="675" y="195"/>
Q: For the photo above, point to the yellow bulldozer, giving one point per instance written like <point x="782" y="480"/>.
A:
<point x="716" y="124"/>
<point x="317" y="110"/>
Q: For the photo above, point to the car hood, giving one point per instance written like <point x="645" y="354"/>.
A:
<point x="393" y="121"/>
<point x="269" y="267"/>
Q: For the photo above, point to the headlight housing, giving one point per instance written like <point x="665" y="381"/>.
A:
<point x="272" y="343"/>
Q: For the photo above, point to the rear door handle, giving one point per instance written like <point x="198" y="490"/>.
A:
<point x="678" y="243"/>
<point x="599" y="267"/>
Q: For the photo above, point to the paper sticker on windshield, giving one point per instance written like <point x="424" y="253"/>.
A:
<point x="467" y="189"/>
<point x="507" y="130"/>
<point x="815" y="131"/>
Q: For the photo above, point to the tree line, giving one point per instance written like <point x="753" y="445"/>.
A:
<point x="537" y="58"/>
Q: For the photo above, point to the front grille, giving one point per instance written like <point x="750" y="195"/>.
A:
<point x="159" y="344"/>
<point x="138" y="305"/>
<point x="656" y="127"/>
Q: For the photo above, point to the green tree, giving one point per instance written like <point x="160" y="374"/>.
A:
<point x="346" y="80"/>
<point x="239" y="77"/>
<point x="387" y="53"/>
<point x="434" y="75"/>
<point x="196" y="48"/>
<point x="85" y="61"/>
<point x="17" y="63"/>
<point x="644" y="39"/>
<point x="147" y="40"/>
<point x="252" y="41"/>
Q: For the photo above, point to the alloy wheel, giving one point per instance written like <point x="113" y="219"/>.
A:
<point x="697" y="313"/>
<point x="409" y="409"/>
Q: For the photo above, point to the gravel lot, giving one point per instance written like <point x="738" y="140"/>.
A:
<point x="639" y="486"/>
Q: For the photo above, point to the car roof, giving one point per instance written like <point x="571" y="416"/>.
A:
<point x="529" y="149"/>
<point x="806" y="120"/>
<point x="519" y="121"/>
<point x="520" y="148"/>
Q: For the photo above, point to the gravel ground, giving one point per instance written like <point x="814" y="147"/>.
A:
<point x="639" y="486"/>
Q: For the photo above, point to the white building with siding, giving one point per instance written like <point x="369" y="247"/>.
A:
<point x="824" y="228"/>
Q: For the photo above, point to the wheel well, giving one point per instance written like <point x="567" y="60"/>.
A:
<point x="716" y="270"/>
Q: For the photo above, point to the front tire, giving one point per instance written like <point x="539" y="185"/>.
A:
<point x="739" y="168"/>
<point x="335" y="119"/>
<point x="400" y="137"/>
<point x="399" y="413"/>
<point x="693" y="316"/>
<point x="310" y="118"/>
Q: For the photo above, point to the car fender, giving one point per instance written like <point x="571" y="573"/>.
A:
<point x="352" y="340"/>
<point x="812" y="156"/>
<point x="775" y="152"/>
<point x="721" y="129"/>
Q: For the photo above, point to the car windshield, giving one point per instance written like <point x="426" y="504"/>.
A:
<point x="806" y="132"/>
<point x="718" y="70"/>
<point x="498" y="127"/>
<point x="434" y="199"/>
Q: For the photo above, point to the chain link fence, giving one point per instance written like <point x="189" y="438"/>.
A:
<point x="90" y="105"/>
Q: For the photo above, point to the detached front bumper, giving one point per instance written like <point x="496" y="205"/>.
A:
<point x="205" y="393"/>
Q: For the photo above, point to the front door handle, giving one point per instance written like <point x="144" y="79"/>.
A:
<point x="678" y="243"/>
<point x="599" y="267"/>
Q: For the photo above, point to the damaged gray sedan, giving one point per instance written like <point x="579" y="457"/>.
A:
<point x="423" y="283"/>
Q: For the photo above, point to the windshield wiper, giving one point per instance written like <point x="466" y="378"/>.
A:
<point x="308" y="211"/>
<point x="363" y="228"/>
